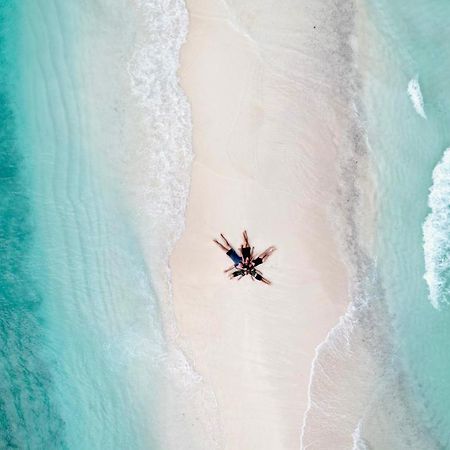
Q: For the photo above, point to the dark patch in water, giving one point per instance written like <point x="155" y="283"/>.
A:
<point x="28" y="417"/>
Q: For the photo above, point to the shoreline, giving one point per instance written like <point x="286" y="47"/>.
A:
<point x="258" y="150"/>
<point x="364" y="402"/>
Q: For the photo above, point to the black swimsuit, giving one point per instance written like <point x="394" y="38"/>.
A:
<point x="236" y="273"/>
<point x="257" y="261"/>
<point x="246" y="252"/>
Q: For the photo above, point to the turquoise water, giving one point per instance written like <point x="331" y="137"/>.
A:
<point x="406" y="148"/>
<point x="79" y="317"/>
<point x="29" y="417"/>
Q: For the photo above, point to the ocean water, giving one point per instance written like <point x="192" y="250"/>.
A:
<point x="89" y="95"/>
<point x="408" y="107"/>
<point x="390" y="351"/>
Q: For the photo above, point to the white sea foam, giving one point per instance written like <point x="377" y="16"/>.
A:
<point x="415" y="94"/>
<point x="436" y="235"/>
<point x="331" y="399"/>
<point x="359" y="443"/>
<point x="168" y="153"/>
<point x="161" y="174"/>
<point x="161" y="169"/>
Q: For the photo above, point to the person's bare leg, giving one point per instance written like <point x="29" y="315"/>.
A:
<point x="220" y="245"/>
<point x="263" y="254"/>
<point x="267" y="252"/>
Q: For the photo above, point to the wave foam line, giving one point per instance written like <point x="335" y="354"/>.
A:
<point x="166" y="156"/>
<point x="436" y="235"/>
<point x="359" y="442"/>
<point x="415" y="94"/>
<point x="342" y="328"/>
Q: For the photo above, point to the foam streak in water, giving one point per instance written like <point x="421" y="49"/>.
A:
<point x="358" y="442"/>
<point x="436" y="235"/>
<point x="415" y="94"/>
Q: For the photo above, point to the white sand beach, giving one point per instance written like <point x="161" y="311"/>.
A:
<point x="266" y="137"/>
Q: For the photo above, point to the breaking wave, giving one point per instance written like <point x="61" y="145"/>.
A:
<point x="436" y="235"/>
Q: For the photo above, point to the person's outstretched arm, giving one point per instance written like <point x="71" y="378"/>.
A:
<point x="229" y="268"/>
<point x="225" y="239"/>
<point x="220" y="245"/>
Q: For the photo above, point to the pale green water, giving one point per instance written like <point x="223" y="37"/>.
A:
<point x="406" y="148"/>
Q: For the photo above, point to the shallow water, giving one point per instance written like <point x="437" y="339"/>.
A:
<point x="390" y="350"/>
<point x="84" y="357"/>
<point x="406" y="147"/>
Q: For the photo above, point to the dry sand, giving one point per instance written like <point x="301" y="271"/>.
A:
<point x="265" y="137"/>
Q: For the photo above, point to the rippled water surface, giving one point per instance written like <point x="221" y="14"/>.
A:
<point x="81" y="340"/>
<point x="408" y="106"/>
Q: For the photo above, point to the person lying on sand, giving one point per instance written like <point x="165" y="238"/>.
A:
<point x="257" y="275"/>
<point x="263" y="256"/>
<point x="244" y="264"/>
<point x="246" y="249"/>
<point x="246" y="252"/>
<point x="234" y="266"/>
<point x="230" y="251"/>
<point x="238" y="273"/>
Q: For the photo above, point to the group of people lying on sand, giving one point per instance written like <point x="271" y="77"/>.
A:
<point x="245" y="263"/>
